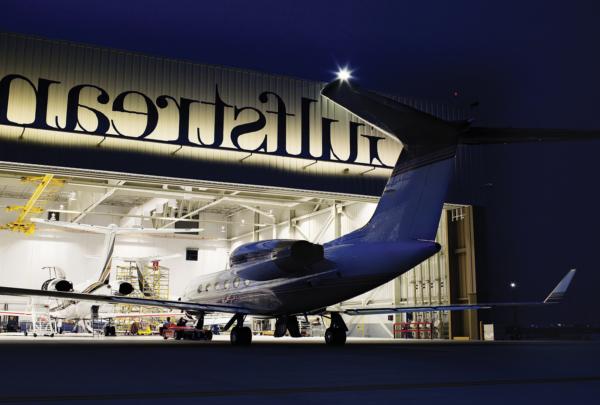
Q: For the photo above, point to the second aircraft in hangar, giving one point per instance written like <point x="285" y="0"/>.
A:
<point x="283" y="279"/>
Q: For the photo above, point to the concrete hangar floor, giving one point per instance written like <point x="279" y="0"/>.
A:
<point x="367" y="371"/>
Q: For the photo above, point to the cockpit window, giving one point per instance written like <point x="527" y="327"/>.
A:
<point x="236" y="282"/>
<point x="217" y="286"/>
<point x="207" y="286"/>
<point x="200" y="288"/>
<point x="226" y="284"/>
<point x="246" y="282"/>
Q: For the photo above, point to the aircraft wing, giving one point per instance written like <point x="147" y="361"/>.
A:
<point x="111" y="299"/>
<point x="554" y="297"/>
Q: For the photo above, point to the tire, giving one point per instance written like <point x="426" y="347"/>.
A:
<point x="208" y="335"/>
<point x="234" y="336"/>
<point x="335" y="337"/>
<point x="293" y="327"/>
<point x="240" y="336"/>
<point x="247" y="336"/>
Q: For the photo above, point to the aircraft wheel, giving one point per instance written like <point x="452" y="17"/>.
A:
<point x="240" y="336"/>
<point x="208" y="335"/>
<point x="335" y="337"/>
<point x="247" y="335"/>
<point x="35" y="335"/>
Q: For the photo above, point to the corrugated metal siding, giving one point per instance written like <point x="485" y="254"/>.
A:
<point x="118" y="71"/>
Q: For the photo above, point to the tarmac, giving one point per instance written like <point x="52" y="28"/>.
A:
<point x="150" y="370"/>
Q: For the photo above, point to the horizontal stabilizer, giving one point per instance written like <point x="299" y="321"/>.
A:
<point x="484" y="136"/>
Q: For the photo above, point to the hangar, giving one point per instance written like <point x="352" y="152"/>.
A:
<point x="101" y="136"/>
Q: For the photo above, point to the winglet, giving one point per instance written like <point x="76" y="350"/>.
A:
<point x="559" y="291"/>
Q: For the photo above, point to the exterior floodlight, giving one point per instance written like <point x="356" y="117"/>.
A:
<point x="344" y="74"/>
<point x="513" y="285"/>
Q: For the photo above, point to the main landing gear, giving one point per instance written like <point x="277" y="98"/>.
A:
<point x="335" y="335"/>
<point x="240" y="335"/>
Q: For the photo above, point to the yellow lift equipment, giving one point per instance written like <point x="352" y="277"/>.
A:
<point x="23" y="224"/>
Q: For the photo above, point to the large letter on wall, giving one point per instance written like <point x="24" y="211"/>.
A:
<point x="41" y="100"/>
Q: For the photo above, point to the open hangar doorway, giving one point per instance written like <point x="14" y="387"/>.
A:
<point x="447" y="277"/>
<point x="229" y="216"/>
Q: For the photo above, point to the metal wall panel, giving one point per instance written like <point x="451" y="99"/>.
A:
<point x="117" y="71"/>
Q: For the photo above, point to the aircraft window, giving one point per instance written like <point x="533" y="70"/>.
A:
<point x="200" y="288"/>
<point x="217" y="286"/>
<point x="246" y="282"/>
<point x="226" y="284"/>
<point x="236" y="282"/>
<point x="207" y="286"/>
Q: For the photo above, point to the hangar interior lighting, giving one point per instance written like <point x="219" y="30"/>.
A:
<point x="513" y="285"/>
<point x="344" y="74"/>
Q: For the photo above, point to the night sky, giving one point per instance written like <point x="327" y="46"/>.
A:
<point x="528" y="63"/>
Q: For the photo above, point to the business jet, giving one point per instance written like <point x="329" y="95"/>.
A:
<point x="81" y="310"/>
<point x="284" y="279"/>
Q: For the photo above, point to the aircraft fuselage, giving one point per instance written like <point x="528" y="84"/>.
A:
<point x="349" y="269"/>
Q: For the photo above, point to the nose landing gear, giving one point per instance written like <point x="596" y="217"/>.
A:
<point x="240" y="335"/>
<point x="335" y="335"/>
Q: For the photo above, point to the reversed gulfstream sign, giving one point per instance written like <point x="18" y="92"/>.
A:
<point x="262" y="124"/>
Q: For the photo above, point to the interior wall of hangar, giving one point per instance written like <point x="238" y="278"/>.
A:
<point x="228" y="219"/>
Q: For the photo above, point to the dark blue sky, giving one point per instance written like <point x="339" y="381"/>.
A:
<point x="529" y="63"/>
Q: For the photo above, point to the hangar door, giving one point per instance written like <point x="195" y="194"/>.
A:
<point x="448" y="277"/>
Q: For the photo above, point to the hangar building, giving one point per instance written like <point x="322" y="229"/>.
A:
<point x="103" y="136"/>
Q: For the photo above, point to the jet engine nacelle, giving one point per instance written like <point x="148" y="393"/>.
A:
<point x="277" y="258"/>
<point x="57" y="284"/>
<point x="123" y="288"/>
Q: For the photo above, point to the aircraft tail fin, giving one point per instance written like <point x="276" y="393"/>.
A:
<point x="412" y="201"/>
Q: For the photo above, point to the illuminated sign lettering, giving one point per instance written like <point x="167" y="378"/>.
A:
<point x="108" y="121"/>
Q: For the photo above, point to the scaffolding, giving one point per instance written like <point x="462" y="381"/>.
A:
<point x="150" y="281"/>
<point x="41" y="322"/>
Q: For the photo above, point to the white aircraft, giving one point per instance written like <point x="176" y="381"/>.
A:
<point x="81" y="310"/>
<point x="285" y="278"/>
